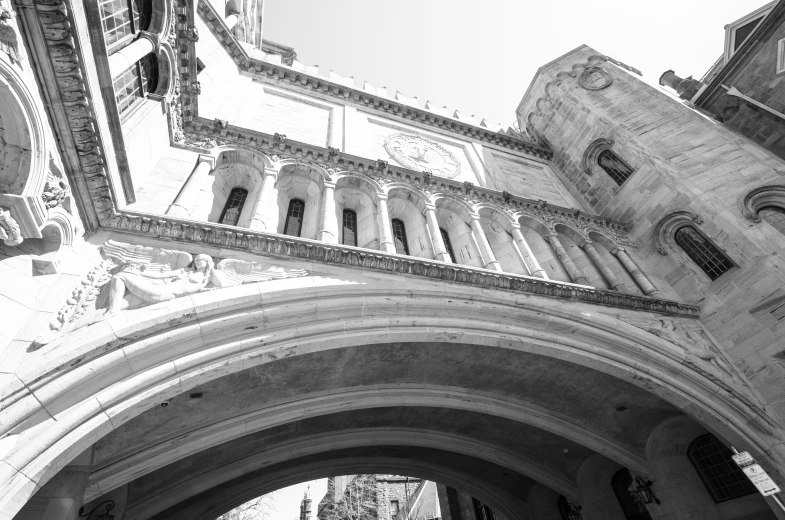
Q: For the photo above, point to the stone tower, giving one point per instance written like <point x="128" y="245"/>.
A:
<point x="305" y="505"/>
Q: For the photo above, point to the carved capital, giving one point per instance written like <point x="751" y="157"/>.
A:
<point x="9" y="229"/>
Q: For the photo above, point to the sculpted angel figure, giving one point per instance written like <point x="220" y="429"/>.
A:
<point x="152" y="287"/>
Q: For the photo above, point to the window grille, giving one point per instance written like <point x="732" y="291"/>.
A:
<point x="722" y="477"/>
<point x="233" y="207"/>
<point x="618" y="170"/>
<point x="774" y="216"/>
<point x="137" y="81"/>
<point x="630" y="504"/>
<point x="399" y="235"/>
<point x="294" y="218"/>
<point x="120" y="19"/>
<point x="702" y="252"/>
<point x="481" y="511"/>
<point x="349" y="228"/>
<point x="448" y="244"/>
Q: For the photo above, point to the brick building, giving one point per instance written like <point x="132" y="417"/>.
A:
<point x="223" y="272"/>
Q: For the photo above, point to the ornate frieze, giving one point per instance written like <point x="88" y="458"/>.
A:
<point x="419" y="154"/>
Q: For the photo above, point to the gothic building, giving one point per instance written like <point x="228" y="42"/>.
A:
<point x="208" y="297"/>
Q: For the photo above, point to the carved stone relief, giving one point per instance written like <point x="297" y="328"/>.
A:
<point x="595" y="78"/>
<point x="9" y="38"/>
<point x="9" y="229"/>
<point x="132" y="277"/>
<point x="419" y="154"/>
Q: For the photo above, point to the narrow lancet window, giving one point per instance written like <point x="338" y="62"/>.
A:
<point x="618" y="170"/>
<point x="399" y="234"/>
<point x="234" y="206"/>
<point x="448" y="244"/>
<point x="294" y="218"/>
<point x="349" y="228"/>
<point x="702" y="252"/>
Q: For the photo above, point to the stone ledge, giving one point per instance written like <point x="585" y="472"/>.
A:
<point x="192" y="232"/>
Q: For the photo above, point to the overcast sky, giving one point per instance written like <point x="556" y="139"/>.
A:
<point x="479" y="56"/>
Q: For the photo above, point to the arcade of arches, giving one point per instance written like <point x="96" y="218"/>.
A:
<point x="207" y="297"/>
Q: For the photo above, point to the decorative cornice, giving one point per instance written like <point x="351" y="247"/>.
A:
<point x="212" y="235"/>
<point x="276" y="74"/>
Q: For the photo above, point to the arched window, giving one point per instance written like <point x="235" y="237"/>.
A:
<point x="294" y="218"/>
<point x="630" y="504"/>
<point x="481" y="511"/>
<point x="447" y="244"/>
<point x="775" y="216"/>
<point x="120" y="19"/>
<point x="136" y="82"/>
<point x="618" y="170"/>
<point x="399" y="235"/>
<point x="722" y="477"/>
<point x="349" y="228"/>
<point x="233" y="207"/>
<point x="702" y="252"/>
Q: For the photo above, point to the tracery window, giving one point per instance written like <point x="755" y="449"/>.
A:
<point x="294" y="218"/>
<point x="722" y="477"/>
<point x="702" y="252"/>
<point x="775" y="216"/>
<point x="481" y="511"/>
<point x="617" y="169"/>
<point x="234" y="206"/>
<point x="399" y="235"/>
<point x="120" y="19"/>
<point x="447" y="244"/>
<point x="632" y="507"/>
<point x="136" y="82"/>
<point x="349" y="228"/>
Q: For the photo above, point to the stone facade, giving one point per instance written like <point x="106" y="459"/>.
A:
<point x="511" y="315"/>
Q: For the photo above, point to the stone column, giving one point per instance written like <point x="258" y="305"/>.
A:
<point x="122" y="60"/>
<point x="61" y="497"/>
<point x="643" y="282"/>
<point x="386" y="243"/>
<point x="488" y="258"/>
<point x="529" y="261"/>
<point x="187" y="198"/>
<point x="329" y="223"/>
<point x="602" y="267"/>
<point x="439" y="250"/>
<point x="264" y="201"/>
<point x="575" y="275"/>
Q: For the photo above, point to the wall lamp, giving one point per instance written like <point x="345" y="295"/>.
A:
<point x="575" y="512"/>
<point x="644" y="492"/>
<point x="104" y="516"/>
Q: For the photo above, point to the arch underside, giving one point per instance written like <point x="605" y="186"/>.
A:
<point x="429" y="379"/>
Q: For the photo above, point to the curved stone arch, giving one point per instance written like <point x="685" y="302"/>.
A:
<point x="161" y="19"/>
<point x="759" y="198"/>
<point x="393" y="189"/>
<point x="373" y="188"/>
<point x="600" y="237"/>
<point x="242" y="154"/>
<point x="497" y="215"/>
<point x="599" y="342"/>
<point x="455" y="204"/>
<point x="534" y="222"/>
<point x="593" y="151"/>
<point x="296" y="167"/>
<point x="348" y="466"/>
<point x="668" y="225"/>
<point x="25" y="127"/>
<point x="167" y="69"/>
<point x="568" y="230"/>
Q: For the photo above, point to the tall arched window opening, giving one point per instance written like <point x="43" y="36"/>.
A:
<point x="121" y="19"/>
<point x="630" y="504"/>
<point x="564" y="508"/>
<point x="481" y="511"/>
<point x="136" y="82"/>
<point x="349" y="228"/>
<point x="702" y="252"/>
<point x="233" y="207"/>
<point x="722" y="477"/>
<point x="399" y="235"/>
<point x="447" y="244"/>
<point x="775" y="216"/>
<point x="617" y="169"/>
<point x="294" y="218"/>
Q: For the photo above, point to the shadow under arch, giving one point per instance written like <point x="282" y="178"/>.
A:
<point x="229" y="154"/>
<point x="139" y="359"/>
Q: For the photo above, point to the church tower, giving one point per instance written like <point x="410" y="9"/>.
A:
<point x="305" y="505"/>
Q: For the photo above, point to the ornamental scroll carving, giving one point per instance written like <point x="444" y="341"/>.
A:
<point x="132" y="277"/>
<point x="595" y="78"/>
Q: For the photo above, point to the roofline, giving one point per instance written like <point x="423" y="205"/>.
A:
<point x="774" y="16"/>
<point x="543" y="67"/>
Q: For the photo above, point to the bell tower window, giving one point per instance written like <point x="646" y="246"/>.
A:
<point x="399" y="234"/>
<point x="234" y="206"/>
<point x="294" y="218"/>
<point x="617" y="169"/>
<point x="702" y="252"/>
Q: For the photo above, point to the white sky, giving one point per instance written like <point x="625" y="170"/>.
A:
<point x="287" y="500"/>
<point x="480" y="56"/>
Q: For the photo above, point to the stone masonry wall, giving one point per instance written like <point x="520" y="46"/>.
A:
<point x="682" y="161"/>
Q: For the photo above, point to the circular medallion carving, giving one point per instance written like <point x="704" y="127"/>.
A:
<point x="595" y="78"/>
<point x="416" y="153"/>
